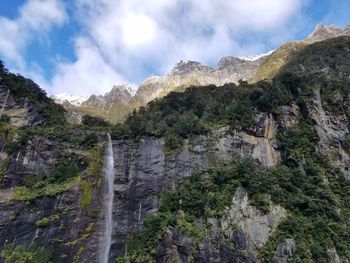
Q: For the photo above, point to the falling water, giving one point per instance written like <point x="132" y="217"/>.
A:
<point x="108" y="171"/>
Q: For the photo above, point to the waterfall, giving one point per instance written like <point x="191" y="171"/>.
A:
<point x="108" y="171"/>
<point x="4" y="104"/>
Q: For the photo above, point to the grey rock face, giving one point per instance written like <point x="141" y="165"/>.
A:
<point x="18" y="224"/>
<point x="333" y="256"/>
<point x="174" y="248"/>
<point x="143" y="172"/>
<point x="256" y="225"/>
<point x="186" y="74"/>
<point x="39" y="155"/>
<point x="69" y="228"/>
<point x="118" y="94"/>
<point x="332" y="130"/>
<point x="21" y="112"/>
<point x="323" y="32"/>
<point x="285" y="251"/>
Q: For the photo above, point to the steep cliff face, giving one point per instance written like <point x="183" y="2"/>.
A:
<point x="21" y="112"/>
<point x="144" y="172"/>
<point x="306" y="135"/>
<point x="49" y="197"/>
<point x="238" y="173"/>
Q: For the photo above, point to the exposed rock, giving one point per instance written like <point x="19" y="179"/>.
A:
<point x="289" y="115"/>
<point x="143" y="172"/>
<point x="332" y="131"/>
<point x="174" y="248"/>
<point x="256" y="225"/>
<point x="225" y="247"/>
<point x="275" y="61"/>
<point x="189" y="73"/>
<point x="285" y="251"/>
<point x="258" y="143"/>
<point x="21" y="112"/>
<point x="323" y="32"/>
<point x="18" y="225"/>
<point x="333" y="256"/>
<point x="39" y="155"/>
<point x="115" y="105"/>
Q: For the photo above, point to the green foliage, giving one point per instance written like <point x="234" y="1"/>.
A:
<point x="23" y="193"/>
<point x="21" y="88"/>
<point x="4" y="119"/>
<point x="194" y="111"/>
<point x="86" y="196"/>
<point x="317" y="222"/>
<point x="20" y="254"/>
<point x="58" y="180"/>
<point x="66" y="134"/>
<point x="94" y="121"/>
<point x="43" y="222"/>
<point x="172" y="141"/>
<point x="314" y="222"/>
<point x="95" y="163"/>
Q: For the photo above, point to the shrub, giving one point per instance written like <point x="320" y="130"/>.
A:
<point x="33" y="254"/>
<point x="43" y="222"/>
<point x="94" y="121"/>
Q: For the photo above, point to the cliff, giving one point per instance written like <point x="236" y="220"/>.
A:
<point x="236" y="173"/>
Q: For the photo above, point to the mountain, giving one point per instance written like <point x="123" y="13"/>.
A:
<point x="191" y="73"/>
<point x="115" y="105"/>
<point x="73" y="99"/>
<point x="323" y="32"/>
<point x="195" y="166"/>
<point x="274" y="62"/>
<point x="247" y="172"/>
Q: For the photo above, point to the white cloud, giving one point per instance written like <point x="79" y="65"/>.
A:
<point x="36" y="18"/>
<point x="138" y="30"/>
<point x="137" y="33"/>
<point x="124" y="40"/>
<point x="89" y="74"/>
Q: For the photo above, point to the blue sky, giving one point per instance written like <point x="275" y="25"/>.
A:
<point x="85" y="46"/>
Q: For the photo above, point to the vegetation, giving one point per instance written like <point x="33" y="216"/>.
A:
<point x="58" y="180"/>
<point x="21" y="87"/>
<point x="315" y="221"/>
<point x="94" y="121"/>
<point x="44" y="222"/>
<point x="92" y="179"/>
<point x="315" y="194"/>
<point x="180" y="115"/>
<point x="20" y="254"/>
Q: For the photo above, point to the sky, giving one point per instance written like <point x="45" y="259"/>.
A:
<point x="84" y="47"/>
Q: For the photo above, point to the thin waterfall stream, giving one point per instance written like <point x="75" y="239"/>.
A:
<point x="108" y="172"/>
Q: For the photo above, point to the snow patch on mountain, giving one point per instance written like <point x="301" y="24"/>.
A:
<point x="73" y="99"/>
<point x="256" y="57"/>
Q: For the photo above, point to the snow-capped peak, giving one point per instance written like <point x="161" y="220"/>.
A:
<point x="126" y="87"/>
<point x="73" y="99"/>
<point x="256" y="57"/>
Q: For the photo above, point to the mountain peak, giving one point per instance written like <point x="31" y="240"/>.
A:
<point x="323" y="32"/>
<point x="122" y="88"/>
<point x="73" y="99"/>
<point x="185" y="67"/>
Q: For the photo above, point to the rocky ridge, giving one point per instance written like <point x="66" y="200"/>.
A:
<point x="192" y="73"/>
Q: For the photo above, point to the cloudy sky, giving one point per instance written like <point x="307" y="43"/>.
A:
<point x="85" y="46"/>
